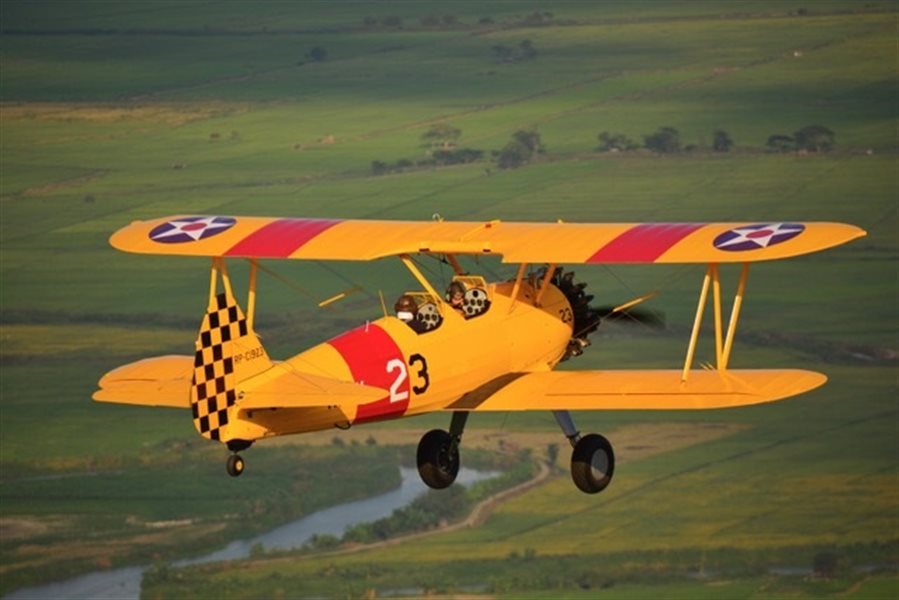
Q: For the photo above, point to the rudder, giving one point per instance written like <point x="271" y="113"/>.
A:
<point x="227" y="352"/>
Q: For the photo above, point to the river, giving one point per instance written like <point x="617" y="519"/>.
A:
<point x="124" y="584"/>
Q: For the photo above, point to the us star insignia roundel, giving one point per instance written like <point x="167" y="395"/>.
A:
<point x="190" y="229"/>
<point x="753" y="237"/>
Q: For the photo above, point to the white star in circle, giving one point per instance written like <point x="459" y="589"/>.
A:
<point x="194" y="228"/>
<point x="760" y="235"/>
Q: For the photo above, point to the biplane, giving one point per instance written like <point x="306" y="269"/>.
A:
<point x="494" y="350"/>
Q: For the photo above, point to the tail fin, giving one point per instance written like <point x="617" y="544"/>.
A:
<point x="227" y="352"/>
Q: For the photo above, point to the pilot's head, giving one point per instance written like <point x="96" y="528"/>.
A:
<point x="455" y="294"/>
<point x="405" y="307"/>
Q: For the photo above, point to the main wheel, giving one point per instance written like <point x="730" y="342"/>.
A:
<point x="235" y="465"/>
<point x="438" y="459"/>
<point x="592" y="463"/>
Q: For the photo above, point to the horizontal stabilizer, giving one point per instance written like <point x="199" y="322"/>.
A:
<point x="166" y="381"/>
<point x="638" y="390"/>
<point x="281" y="387"/>
<point x="157" y="381"/>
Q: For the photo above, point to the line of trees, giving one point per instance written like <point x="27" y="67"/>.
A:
<point x="440" y="140"/>
<point x="667" y="140"/>
<point x="512" y="54"/>
<point x="811" y="138"/>
<point x="447" y="21"/>
<point x="440" y="145"/>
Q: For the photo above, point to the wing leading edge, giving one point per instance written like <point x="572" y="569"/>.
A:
<point x="516" y="242"/>
<point x="638" y="390"/>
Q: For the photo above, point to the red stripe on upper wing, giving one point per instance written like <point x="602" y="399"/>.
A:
<point x="281" y="238"/>
<point x="643" y="243"/>
<point x="375" y="359"/>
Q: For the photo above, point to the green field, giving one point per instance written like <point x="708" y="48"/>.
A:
<point x="139" y="109"/>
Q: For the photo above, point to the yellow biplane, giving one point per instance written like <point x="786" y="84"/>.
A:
<point x="493" y="348"/>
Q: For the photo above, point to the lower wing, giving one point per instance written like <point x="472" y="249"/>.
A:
<point x="637" y="390"/>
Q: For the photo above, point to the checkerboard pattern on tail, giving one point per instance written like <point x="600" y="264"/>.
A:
<point x="214" y="386"/>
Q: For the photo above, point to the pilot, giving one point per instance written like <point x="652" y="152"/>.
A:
<point x="455" y="295"/>
<point x="407" y="312"/>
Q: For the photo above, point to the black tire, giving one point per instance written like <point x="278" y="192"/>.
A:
<point x="592" y="463"/>
<point x="438" y="459"/>
<point x="235" y="465"/>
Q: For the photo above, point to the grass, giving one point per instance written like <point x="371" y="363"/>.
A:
<point x="105" y="121"/>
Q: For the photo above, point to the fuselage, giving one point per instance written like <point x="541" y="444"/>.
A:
<point x="424" y="372"/>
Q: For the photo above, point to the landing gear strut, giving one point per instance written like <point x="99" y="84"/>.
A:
<point x="235" y="464"/>
<point x="592" y="457"/>
<point x="438" y="454"/>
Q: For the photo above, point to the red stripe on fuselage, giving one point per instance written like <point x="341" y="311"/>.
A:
<point x="281" y="238"/>
<point x="375" y="359"/>
<point x="643" y="243"/>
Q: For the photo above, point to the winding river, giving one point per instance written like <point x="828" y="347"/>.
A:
<point x="124" y="584"/>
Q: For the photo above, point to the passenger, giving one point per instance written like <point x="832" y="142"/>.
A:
<point x="455" y="295"/>
<point x="407" y="312"/>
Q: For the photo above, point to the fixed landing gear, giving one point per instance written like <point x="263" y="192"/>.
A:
<point x="235" y="465"/>
<point x="592" y="463"/>
<point x="592" y="457"/>
<point x="438" y="454"/>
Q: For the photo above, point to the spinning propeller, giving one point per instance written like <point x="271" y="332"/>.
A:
<point x="587" y="319"/>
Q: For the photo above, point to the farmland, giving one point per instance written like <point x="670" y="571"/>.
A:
<point x="160" y="108"/>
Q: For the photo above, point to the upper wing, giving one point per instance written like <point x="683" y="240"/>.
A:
<point x="637" y="389"/>
<point x="563" y="243"/>
<point x="166" y="381"/>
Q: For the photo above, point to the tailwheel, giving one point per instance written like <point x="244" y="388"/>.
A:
<point x="438" y="459"/>
<point x="592" y="463"/>
<point x="235" y="465"/>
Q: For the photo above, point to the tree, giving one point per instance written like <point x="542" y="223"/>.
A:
<point x="538" y="19"/>
<point x="814" y="138"/>
<point x="507" y="54"/>
<point x="665" y="140"/>
<point x="826" y="564"/>
<point x="615" y="142"/>
<point x="722" y="141"/>
<point x="456" y="157"/>
<point x="531" y="140"/>
<point x="503" y="53"/>
<point x="780" y="143"/>
<point x="520" y="150"/>
<point x="441" y="134"/>
<point x="528" y="52"/>
<point x="513" y="155"/>
<point x="317" y="54"/>
<point x="552" y="453"/>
